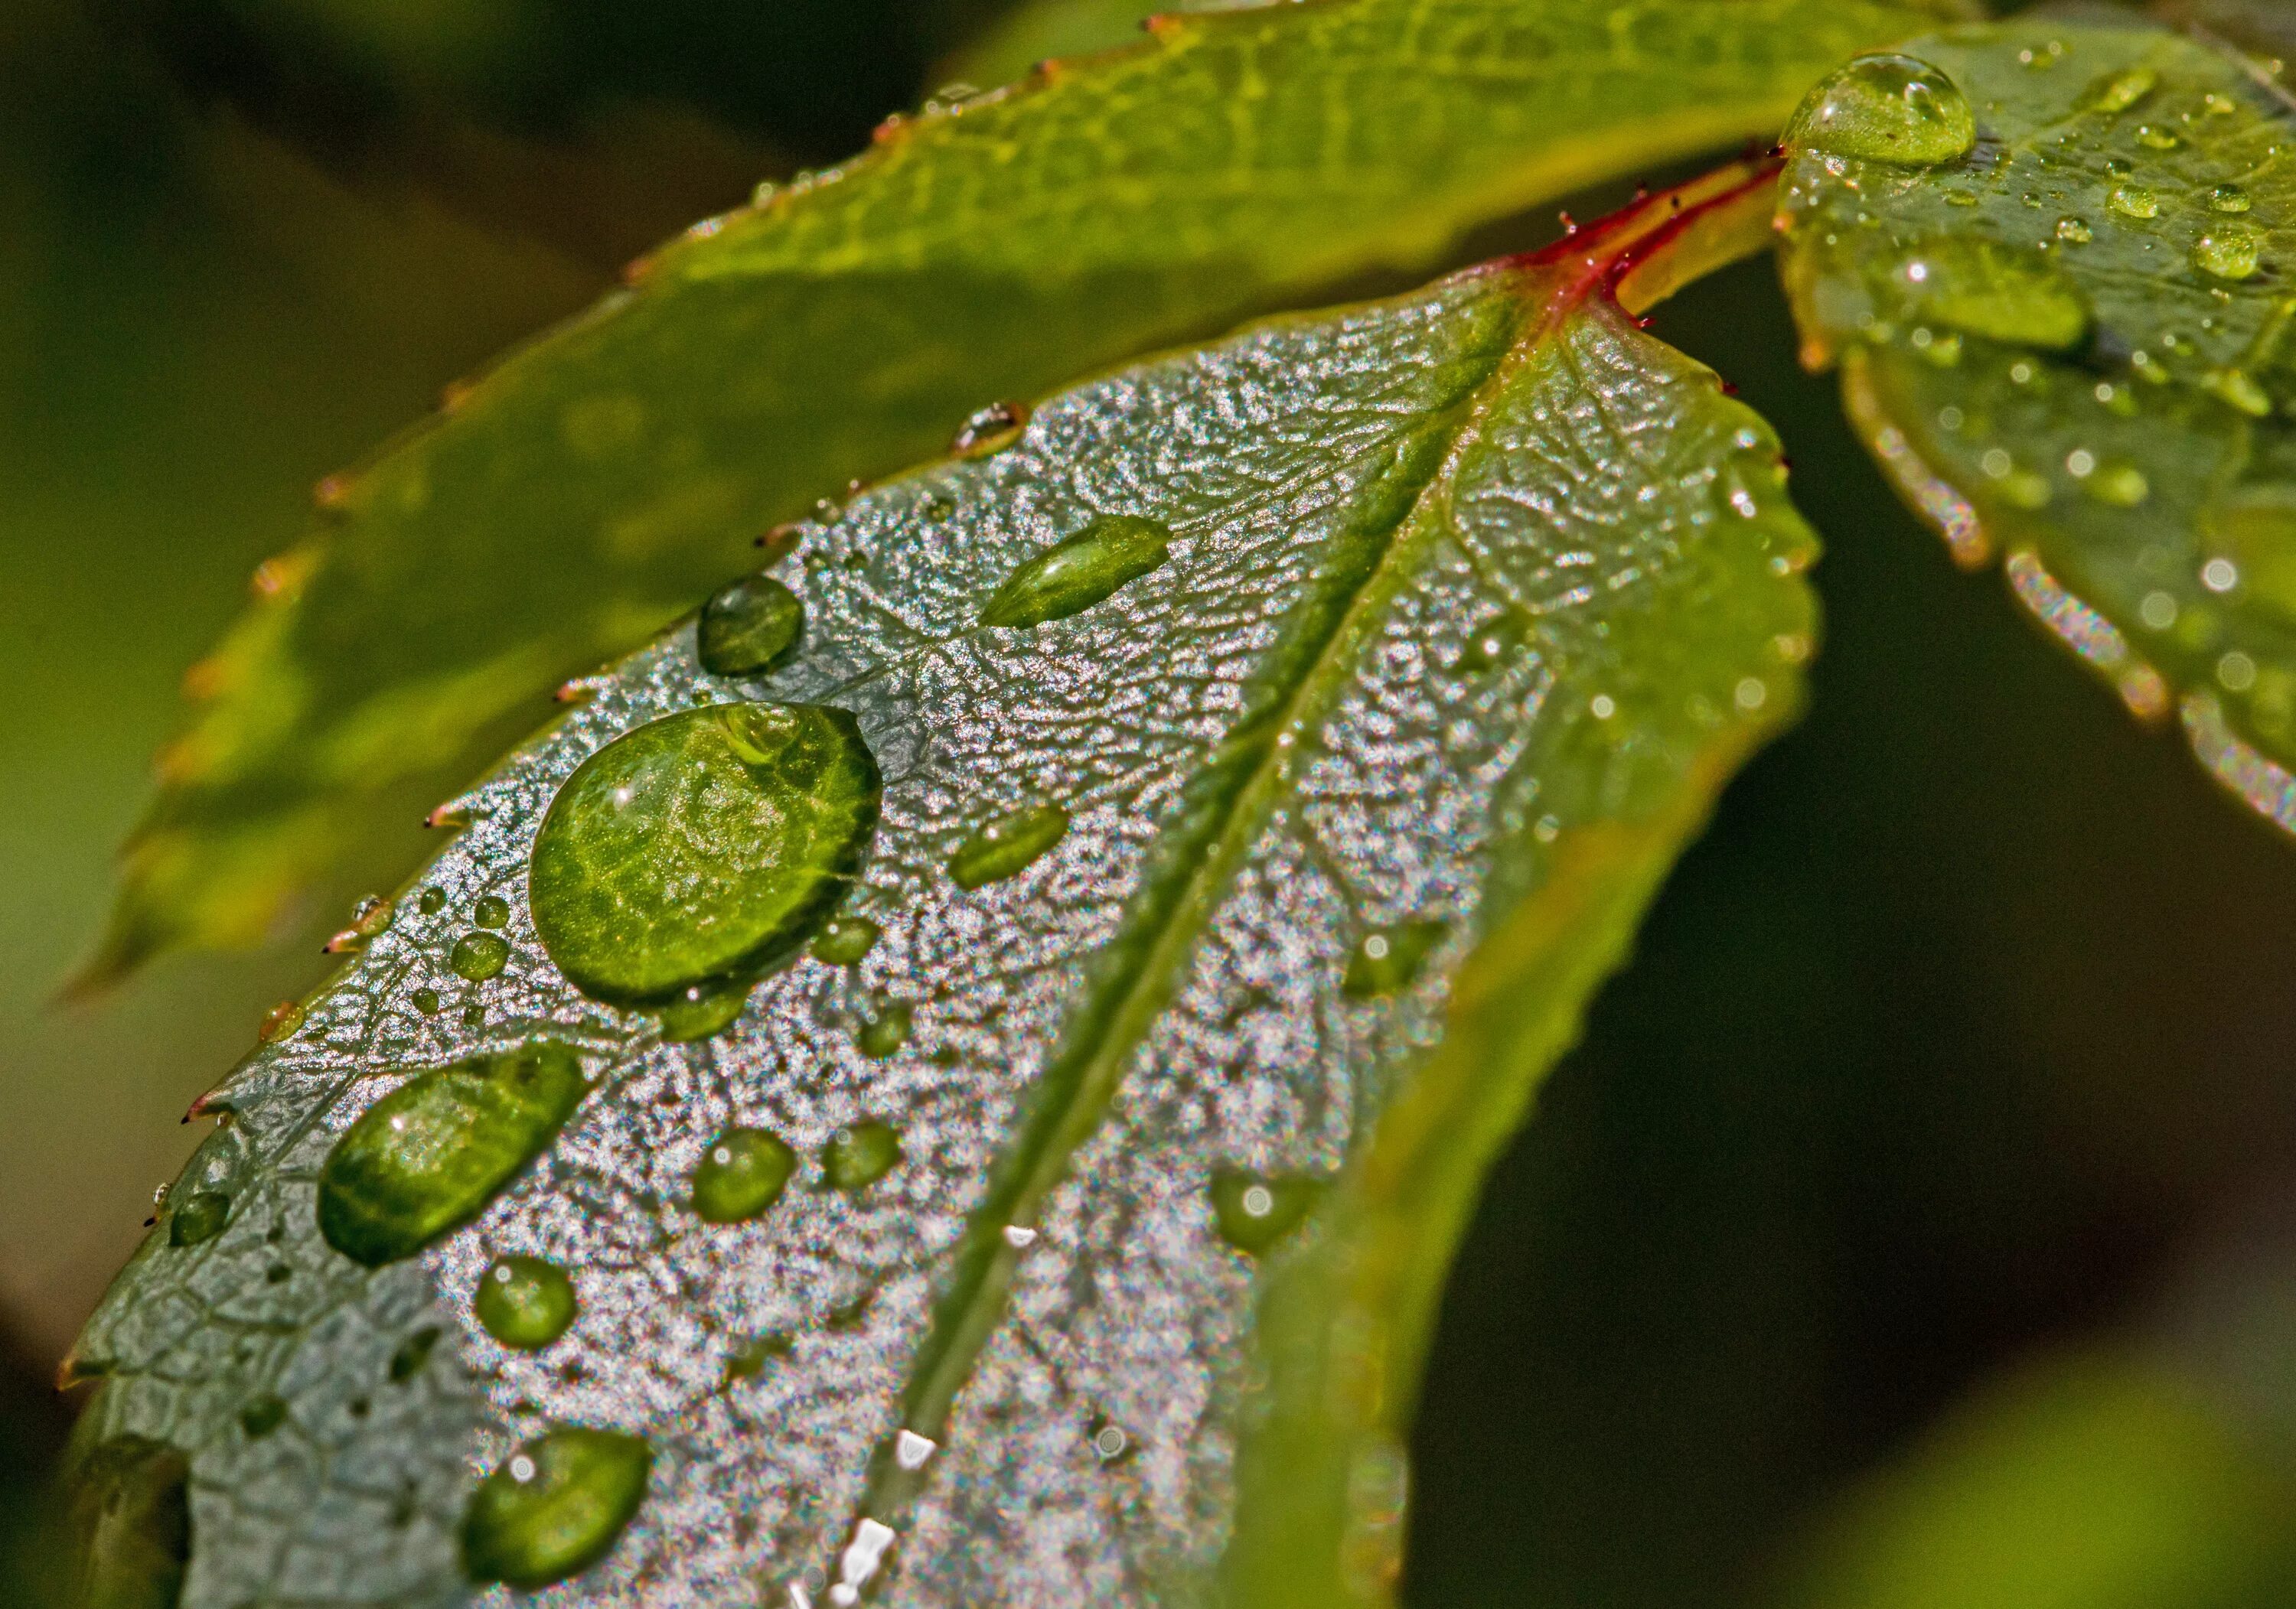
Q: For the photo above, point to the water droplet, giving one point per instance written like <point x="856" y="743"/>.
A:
<point x="2157" y="610"/>
<point x="2118" y="92"/>
<point x="2237" y="672"/>
<point x="1888" y="108"/>
<point x="1492" y="644"/>
<point x="1254" y="1211"/>
<point x="555" y="1507"/>
<point x="492" y="910"/>
<point x="1073" y="575"/>
<point x="2219" y="575"/>
<point x="2133" y="201"/>
<point x="525" y="1302"/>
<point x="427" y="1157"/>
<point x="427" y="1001"/>
<point x="884" y="1033"/>
<point x="992" y="429"/>
<point x="860" y="1156"/>
<point x="2229" y="251"/>
<point x="2075" y="231"/>
<point x="743" y="1173"/>
<point x="748" y="628"/>
<point x="431" y="900"/>
<point x="198" y="1218"/>
<point x="845" y="940"/>
<point x="2120" y="485"/>
<point x="372" y="916"/>
<point x="1388" y="958"/>
<point x="131" y="1500"/>
<point x="2001" y="292"/>
<point x="701" y="1012"/>
<point x="259" y="1417"/>
<point x="412" y="1354"/>
<point x="1110" y="1444"/>
<point x="2230" y="199"/>
<point x="1007" y="846"/>
<point x="702" y="848"/>
<point x="2152" y="136"/>
<point x="280" y="1022"/>
<point x="479" y="955"/>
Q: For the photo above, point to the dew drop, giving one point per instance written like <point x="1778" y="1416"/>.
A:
<point x="431" y="900"/>
<point x="1007" y="846"/>
<point x="2133" y="201"/>
<point x="198" y="1218"/>
<point x="2229" y="251"/>
<point x="2229" y="198"/>
<point x="1254" y="1211"/>
<point x="2001" y="292"/>
<point x="743" y="1173"/>
<point x="857" y="1156"/>
<point x="702" y="848"/>
<point x="884" y="1033"/>
<point x="1073" y="575"/>
<point x="2219" y="575"/>
<point x="492" y="910"/>
<point x="2075" y="231"/>
<point x="259" y="1417"/>
<point x="992" y="429"/>
<point x="1888" y="108"/>
<point x="748" y="628"/>
<point x="1388" y="958"/>
<point x="427" y="1157"/>
<point x="2152" y="136"/>
<point x="427" y="1001"/>
<point x="2118" y="92"/>
<point x="555" y="1507"/>
<point x="846" y="940"/>
<point x="525" y="1302"/>
<point x="479" y="955"/>
<point x="2120" y="485"/>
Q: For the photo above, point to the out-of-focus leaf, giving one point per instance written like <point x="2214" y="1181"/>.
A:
<point x="1039" y="30"/>
<point x="591" y="487"/>
<point x="1065" y="1225"/>
<point x="2074" y="343"/>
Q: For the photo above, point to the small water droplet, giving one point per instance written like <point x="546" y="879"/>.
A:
<point x="2001" y="292"/>
<point x="2118" y="92"/>
<point x="198" y="1218"/>
<point x="479" y="955"/>
<point x="2075" y="231"/>
<point x="1007" y="846"/>
<point x="846" y="941"/>
<point x="2154" y="136"/>
<point x="431" y="900"/>
<point x="2229" y="198"/>
<point x="1492" y="644"/>
<point x="2120" y="485"/>
<point x="555" y="1507"/>
<point x="1388" y="958"/>
<point x="2219" y="575"/>
<point x="492" y="910"/>
<point x="1254" y="1211"/>
<point x="426" y="1001"/>
<point x="2133" y="201"/>
<point x="884" y="1033"/>
<point x="427" y="1157"/>
<point x="702" y="848"/>
<point x="701" y="1012"/>
<point x="748" y="628"/>
<point x="412" y="1354"/>
<point x="2237" y="672"/>
<point x="2229" y="251"/>
<point x="1890" y="109"/>
<point x="860" y="1156"/>
<point x="525" y="1302"/>
<point x="742" y="1173"/>
<point x="259" y="1417"/>
<point x="1079" y="571"/>
<point x="1110" y="1443"/>
<point x="992" y="429"/>
<point x="2157" y="610"/>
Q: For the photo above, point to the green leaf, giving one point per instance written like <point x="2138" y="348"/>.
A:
<point x="1126" y="1163"/>
<point x="594" y="486"/>
<point x="2070" y="345"/>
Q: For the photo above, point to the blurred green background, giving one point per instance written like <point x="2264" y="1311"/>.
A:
<point x="1916" y="1229"/>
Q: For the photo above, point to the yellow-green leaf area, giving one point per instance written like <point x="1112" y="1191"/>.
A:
<point x="2070" y="347"/>
<point x="555" y="1507"/>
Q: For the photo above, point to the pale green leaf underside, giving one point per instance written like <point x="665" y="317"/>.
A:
<point x="595" y="484"/>
<point x="1280" y="739"/>
<point x="2141" y="482"/>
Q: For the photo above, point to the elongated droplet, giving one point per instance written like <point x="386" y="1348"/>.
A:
<point x="2120" y="91"/>
<point x="131" y="1509"/>
<point x="525" y="1302"/>
<point x="748" y="628"/>
<point x="1887" y="109"/>
<point x="1388" y="958"/>
<point x="1007" y="846"/>
<point x="555" y="1507"/>
<point x="846" y="940"/>
<point x="702" y="848"/>
<point x="427" y="1157"/>
<point x="198" y="1217"/>
<point x="2002" y="292"/>
<point x="479" y="955"/>
<point x="992" y="429"/>
<point x="2230" y="251"/>
<point x="743" y="1173"/>
<point x="701" y="1012"/>
<point x="885" y="1033"/>
<point x="860" y="1156"/>
<point x="1072" y="576"/>
<point x="1255" y="1211"/>
<point x="2229" y="198"/>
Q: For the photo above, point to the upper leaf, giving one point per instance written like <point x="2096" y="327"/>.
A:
<point x="1064" y="1224"/>
<point x="2065" y="328"/>
<point x="594" y="484"/>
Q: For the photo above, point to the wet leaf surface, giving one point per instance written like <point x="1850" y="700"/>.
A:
<point x="1107" y="1277"/>
<point x="2069" y="344"/>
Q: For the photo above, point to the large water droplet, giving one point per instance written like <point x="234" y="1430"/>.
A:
<point x="2133" y="201"/>
<point x="846" y="940"/>
<point x="702" y="848"/>
<point x="860" y="1156"/>
<point x="1388" y="958"/>
<point x="427" y="1157"/>
<point x="992" y="429"/>
<point x="198" y="1217"/>
<point x="555" y="1507"/>
<point x="748" y="628"/>
<point x="1887" y="109"/>
<point x="492" y="910"/>
<point x="2229" y="251"/>
<point x="131" y="1511"/>
<point x="525" y="1302"/>
<point x="884" y="1033"/>
<point x="742" y="1173"/>
<point x="1072" y="576"/>
<point x="479" y="955"/>
<point x="1255" y="1211"/>
<point x="1007" y="846"/>
<point x="2001" y="292"/>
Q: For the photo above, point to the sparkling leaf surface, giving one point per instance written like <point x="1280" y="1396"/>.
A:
<point x="1107" y="1278"/>
<point x="2071" y="346"/>
<point x="596" y="485"/>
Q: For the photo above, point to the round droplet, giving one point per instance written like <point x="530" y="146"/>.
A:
<point x="479" y="955"/>
<point x="427" y="1001"/>
<point x="2001" y="292"/>
<point x="2075" y="231"/>
<point x="2119" y="91"/>
<point x="992" y="429"/>
<point x="1887" y="109"/>
<point x="492" y="910"/>
<point x="2120" y="485"/>
<point x="554" y="1507"/>
<point x="701" y="1012"/>
<point x="259" y="1417"/>
<point x="1072" y="576"/>
<point x="2152" y="136"/>
<point x="742" y="1173"/>
<point x="198" y="1218"/>
<point x="427" y="1157"/>
<point x="1255" y="1211"/>
<point x="2229" y="198"/>
<point x="1007" y="846"/>
<point x="525" y="1302"/>
<point x="2229" y="251"/>
<point x="702" y="848"/>
<point x="884" y="1033"/>
<point x="1388" y="958"/>
<point x="2133" y="201"/>
<point x="845" y="940"/>
<point x="748" y="628"/>
<point x="860" y="1156"/>
<point x="432" y="901"/>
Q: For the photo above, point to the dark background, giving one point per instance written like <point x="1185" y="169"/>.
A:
<point x="1915" y="1228"/>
